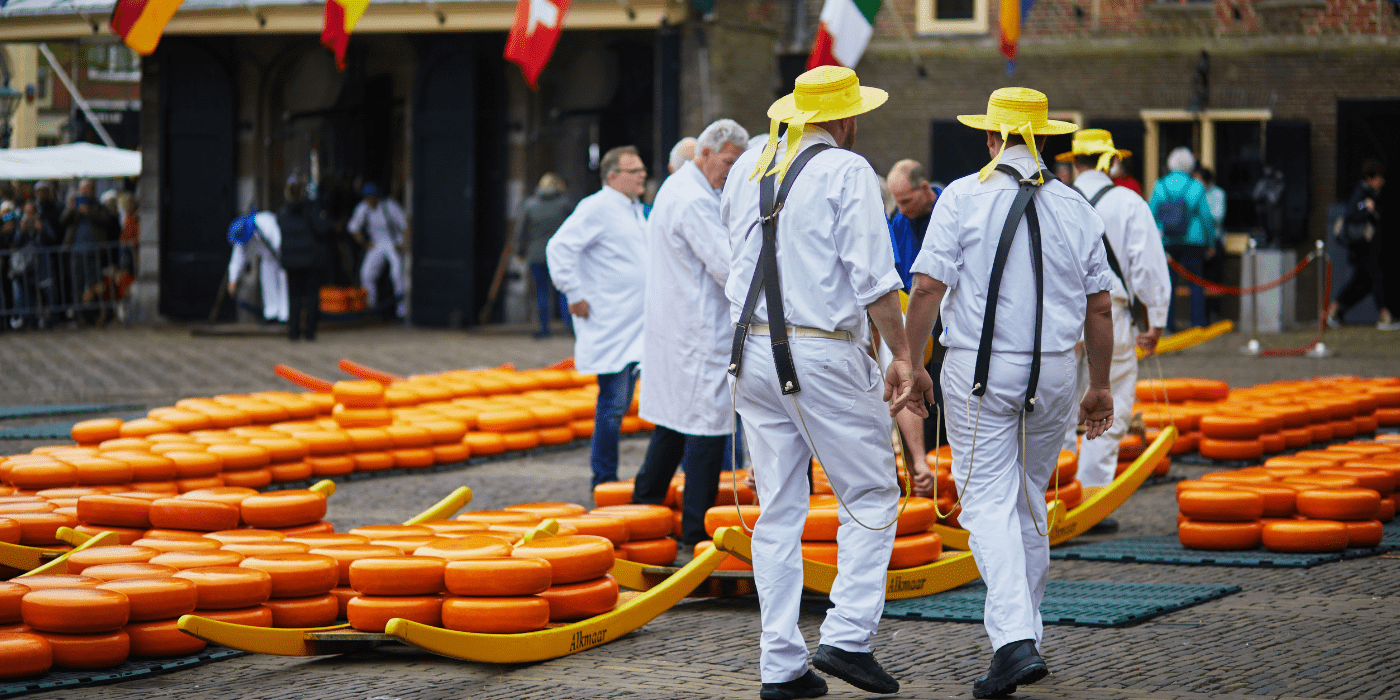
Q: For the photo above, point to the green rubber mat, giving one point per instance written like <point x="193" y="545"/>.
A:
<point x="1076" y="603"/>
<point x="48" y="431"/>
<point x="60" y="409"/>
<point x="131" y="670"/>
<point x="1167" y="549"/>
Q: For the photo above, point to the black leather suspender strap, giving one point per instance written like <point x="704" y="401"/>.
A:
<point x="1023" y="205"/>
<point x="765" y="278"/>
<point x="1135" y="308"/>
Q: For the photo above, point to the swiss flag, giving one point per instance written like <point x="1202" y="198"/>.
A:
<point x="534" y="34"/>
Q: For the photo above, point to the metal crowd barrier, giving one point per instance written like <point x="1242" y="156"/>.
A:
<point x="46" y="286"/>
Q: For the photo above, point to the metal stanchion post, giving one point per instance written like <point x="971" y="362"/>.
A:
<point x="1252" y="253"/>
<point x="1321" y="349"/>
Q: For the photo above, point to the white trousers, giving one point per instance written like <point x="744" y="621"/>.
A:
<point x="273" y="280"/>
<point x="375" y="259"/>
<point x="842" y="407"/>
<point x="1000" y="512"/>
<point x="1098" y="458"/>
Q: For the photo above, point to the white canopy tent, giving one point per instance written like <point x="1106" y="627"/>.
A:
<point x="68" y="161"/>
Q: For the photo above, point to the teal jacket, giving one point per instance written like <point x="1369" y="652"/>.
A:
<point x="1180" y="185"/>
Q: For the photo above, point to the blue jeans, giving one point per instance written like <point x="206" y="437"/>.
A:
<point x="544" y="289"/>
<point x="614" y="398"/>
<point x="1193" y="258"/>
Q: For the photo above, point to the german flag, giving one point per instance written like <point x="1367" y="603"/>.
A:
<point x="140" y="22"/>
<point x="341" y="17"/>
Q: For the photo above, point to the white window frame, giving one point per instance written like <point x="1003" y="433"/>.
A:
<point x="124" y="76"/>
<point x="926" y="23"/>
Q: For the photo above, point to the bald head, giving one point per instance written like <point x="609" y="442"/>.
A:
<point x="908" y="183"/>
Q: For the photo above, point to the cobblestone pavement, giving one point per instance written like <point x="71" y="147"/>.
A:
<point x="1325" y="632"/>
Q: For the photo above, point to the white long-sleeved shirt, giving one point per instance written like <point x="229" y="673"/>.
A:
<point x="1136" y="243"/>
<point x="834" y="255"/>
<point x="599" y="256"/>
<point x="687" y="336"/>
<point x="386" y="223"/>
<point x="961" y="244"/>
<point x="266" y="246"/>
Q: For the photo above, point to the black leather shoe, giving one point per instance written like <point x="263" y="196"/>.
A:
<point x="1017" y="663"/>
<point x="1107" y="526"/>
<point x="860" y="669"/>
<point x="807" y="685"/>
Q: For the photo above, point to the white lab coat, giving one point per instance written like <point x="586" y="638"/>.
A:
<point x="271" y="276"/>
<point x="834" y="259"/>
<point x="687" y="338"/>
<point x="598" y="255"/>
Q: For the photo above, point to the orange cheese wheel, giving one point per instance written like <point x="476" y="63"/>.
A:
<point x="573" y="558"/>
<point x="289" y="472"/>
<point x="346" y="554"/>
<point x="254" y="616"/>
<point x="359" y="393"/>
<point x="1208" y="389"/>
<point x="644" y="522"/>
<point x="193" y="514"/>
<point x="452" y="528"/>
<point x="397" y="576"/>
<point x="1322" y="482"/>
<point x="229" y="587"/>
<point x="1388" y="416"/>
<point x="327" y="539"/>
<point x="296" y="575"/>
<point x="1231" y="427"/>
<point x="1339" y="504"/>
<point x="41" y="529"/>
<point x="24" y="654"/>
<point x="516" y="533"/>
<point x="412" y="458"/>
<point x="155" y="598"/>
<point x="1321" y="432"/>
<point x="231" y="495"/>
<point x="374" y="417"/>
<point x="550" y="416"/>
<point x="321" y="443"/>
<point x="379" y="532"/>
<point x="471" y="546"/>
<point x="118" y="554"/>
<point x="11" y="593"/>
<point x="1070" y="493"/>
<point x="281" y="448"/>
<point x="558" y="435"/>
<point x="194" y="560"/>
<point x="582" y="427"/>
<point x="160" y="639"/>
<point x="495" y="615"/>
<point x="343" y="596"/>
<point x="656" y="552"/>
<point x="1305" y="536"/>
<point x="373" y="461"/>
<point x="265" y="547"/>
<point x="521" y="440"/>
<point x="1220" y="536"/>
<point x="331" y="465"/>
<point x="1336" y="458"/>
<point x="1220" y="505"/>
<point x="161" y="488"/>
<point x="406" y="436"/>
<point x="501" y="517"/>
<point x="36" y="476"/>
<point x="75" y="610"/>
<point x="1239" y="476"/>
<point x="506" y="420"/>
<point x="250" y="478"/>
<point x="179" y="419"/>
<point x="1295" y="462"/>
<point x="728" y="516"/>
<point x="42" y="582"/>
<point x="195" y="465"/>
<point x="1381" y="481"/>
<point x="915" y="550"/>
<point x="369" y="439"/>
<point x="100" y="471"/>
<point x="612" y="527"/>
<point x="10" y="531"/>
<point x="1279" y="501"/>
<point x="1150" y="390"/>
<point x="1387" y="511"/>
<point x="1273" y="443"/>
<point x="823" y="552"/>
<point x="122" y="571"/>
<point x="1297" y="437"/>
<point x="451" y="453"/>
<point x="185" y="544"/>
<point x="88" y="650"/>
<point x="577" y="601"/>
<point x="1231" y="450"/>
<point x="511" y="576"/>
<point x="92" y="432"/>
<point x="311" y="611"/>
<point x="144" y="465"/>
<point x="406" y="545"/>
<point x="320" y="527"/>
<point x="372" y="613"/>
<point x="1344" y="428"/>
<point x="241" y="457"/>
<point x="730" y="563"/>
<point x="283" y="508"/>
<point x="485" y="443"/>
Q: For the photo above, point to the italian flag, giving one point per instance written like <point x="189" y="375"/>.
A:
<point x="845" y="30"/>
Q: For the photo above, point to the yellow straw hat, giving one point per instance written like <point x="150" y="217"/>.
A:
<point x="1091" y="142"/>
<point x="823" y="94"/>
<point x="1016" y="110"/>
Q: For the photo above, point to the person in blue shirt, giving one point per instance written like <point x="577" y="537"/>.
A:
<point x="914" y="198"/>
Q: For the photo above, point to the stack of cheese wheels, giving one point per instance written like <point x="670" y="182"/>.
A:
<point x="231" y="593"/>
<point x="914" y="545"/>
<point x="490" y="590"/>
<point x="292" y="512"/>
<point x="81" y="622"/>
<point x="327" y="448"/>
<point x="580" y="585"/>
<point x="648" y="533"/>
<point x="613" y="493"/>
<point x="156" y="604"/>
<point x="1070" y="491"/>
<point x="1353" y="509"/>
<point x="245" y="464"/>
<point x="287" y="456"/>
<point x="301" y="584"/>
<point x="1221" y="518"/>
<point x="1231" y="437"/>
<point x="732" y="489"/>
<point x="24" y="654"/>
<point x="345" y="548"/>
<point x="388" y="583"/>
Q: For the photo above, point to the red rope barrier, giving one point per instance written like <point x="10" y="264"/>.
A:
<point x="1240" y="291"/>
<point x="1322" y="326"/>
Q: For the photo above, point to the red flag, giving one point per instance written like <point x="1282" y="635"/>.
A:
<point x="533" y="35"/>
<point x="140" y="22"/>
<point x="340" y="19"/>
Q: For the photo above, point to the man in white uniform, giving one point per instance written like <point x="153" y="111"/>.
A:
<point x="598" y="260"/>
<point x="257" y="236"/>
<point x="1137" y="258"/>
<point x="386" y="224"/>
<point x="685" y="389"/>
<point x="808" y="387"/>
<point x="1011" y="352"/>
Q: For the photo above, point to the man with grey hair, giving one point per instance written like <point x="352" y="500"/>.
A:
<point x="681" y="153"/>
<point x="1183" y="216"/>
<point x="685" y="387"/>
<point x="597" y="258"/>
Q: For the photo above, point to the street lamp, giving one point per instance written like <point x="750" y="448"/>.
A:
<point x="9" y="101"/>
